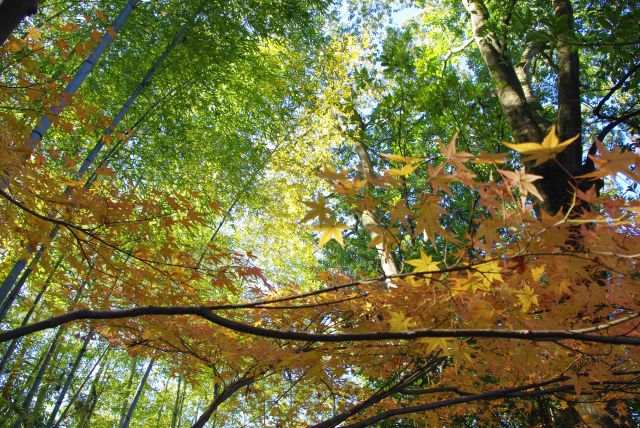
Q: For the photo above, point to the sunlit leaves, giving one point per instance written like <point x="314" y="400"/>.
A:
<point x="331" y="231"/>
<point x="544" y="151"/>
<point x="424" y="264"/>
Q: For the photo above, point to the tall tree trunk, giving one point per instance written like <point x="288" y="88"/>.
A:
<point x="134" y="403"/>
<point x="94" y="396"/>
<point x="44" y="365"/>
<point x="127" y="391"/>
<point x="181" y="406"/>
<point x="367" y="218"/>
<point x="227" y="392"/>
<point x="162" y="400"/>
<point x="86" y="379"/>
<point x="174" y="411"/>
<point x="556" y="185"/>
<point x="14" y="343"/>
<point x="12" y="12"/>
<point x="70" y="377"/>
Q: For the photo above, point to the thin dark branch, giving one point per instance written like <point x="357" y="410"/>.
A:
<point x="206" y="313"/>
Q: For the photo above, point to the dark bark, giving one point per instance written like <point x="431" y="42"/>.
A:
<point x="490" y="395"/>
<point x="12" y="12"/>
<point x="589" y="334"/>
<point x="70" y="376"/>
<point x="134" y="403"/>
<point x="35" y="386"/>
<point x="557" y="184"/>
<point x="517" y="111"/>
<point x="227" y="392"/>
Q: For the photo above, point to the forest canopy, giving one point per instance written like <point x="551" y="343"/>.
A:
<point x="291" y="213"/>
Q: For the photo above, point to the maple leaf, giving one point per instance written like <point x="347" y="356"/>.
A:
<point x="434" y="344"/>
<point x="424" y="263"/>
<point x="318" y="209"/>
<point x="451" y="154"/>
<point x="561" y="288"/>
<point x="580" y="383"/>
<point x="542" y="152"/>
<point x="400" y="159"/>
<point x="331" y="231"/>
<point x="487" y="273"/>
<point x="428" y="221"/>
<point x="614" y="162"/>
<point x="402" y="172"/>
<point x="399" y="322"/>
<point x="328" y="173"/>
<point x="523" y="181"/>
<point x="400" y="213"/>
<point x="526" y="297"/>
<point x="440" y="180"/>
<point x="349" y="187"/>
<point x="485" y="157"/>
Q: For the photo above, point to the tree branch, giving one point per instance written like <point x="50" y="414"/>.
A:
<point x="516" y="392"/>
<point x="614" y="88"/>
<point x="407" y="335"/>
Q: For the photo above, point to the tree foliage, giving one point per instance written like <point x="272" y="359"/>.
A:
<point x="295" y="213"/>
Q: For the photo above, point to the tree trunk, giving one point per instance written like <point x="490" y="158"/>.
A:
<point x="162" y="400"/>
<point x="94" y="396"/>
<point x="174" y="411"/>
<point x="134" y="403"/>
<point x="556" y="186"/>
<point x="12" y="12"/>
<point x="86" y="379"/>
<point x="367" y="218"/>
<point x="70" y="377"/>
<point x="14" y="343"/>
<point x="26" y="404"/>
<point x="127" y="392"/>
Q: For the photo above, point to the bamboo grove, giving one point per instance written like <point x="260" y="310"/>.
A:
<point x="299" y="213"/>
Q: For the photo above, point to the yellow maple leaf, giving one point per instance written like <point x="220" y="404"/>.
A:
<point x="486" y="157"/>
<point x="402" y="172"/>
<point x="317" y="209"/>
<point x="399" y="322"/>
<point x="542" y="152"/>
<point x="424" y="264"/>
<point x="434" y="344"/>
<point x="331" y="231"/>
<point x="487" y="273"/>
<point x="526" y="298"/>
